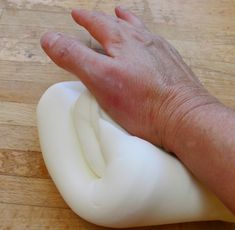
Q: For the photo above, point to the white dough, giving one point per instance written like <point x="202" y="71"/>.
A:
<point x="109" y="177"/>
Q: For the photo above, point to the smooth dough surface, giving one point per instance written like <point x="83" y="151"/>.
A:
<point x="110" y="177"/>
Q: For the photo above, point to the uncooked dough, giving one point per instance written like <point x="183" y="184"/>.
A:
<point x="110" y="177"/>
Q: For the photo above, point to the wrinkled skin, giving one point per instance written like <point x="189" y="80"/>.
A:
<point x="142" y="82"/>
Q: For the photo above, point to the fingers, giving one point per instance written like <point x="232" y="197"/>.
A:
<point x="102" y="27"/>
<point x="128" y="16"/>
<point x="70" y="54"/>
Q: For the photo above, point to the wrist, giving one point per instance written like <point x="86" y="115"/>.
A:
<point x="204" y="141"/>
<point x="179" y="111"/>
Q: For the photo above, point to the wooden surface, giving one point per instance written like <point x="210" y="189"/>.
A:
<point x="203" y="32"/>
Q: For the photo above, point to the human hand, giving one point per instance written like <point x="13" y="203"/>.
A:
<point x="141" y="81"/>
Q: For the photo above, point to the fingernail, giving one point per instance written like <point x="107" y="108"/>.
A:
<point x="49" y="39"/>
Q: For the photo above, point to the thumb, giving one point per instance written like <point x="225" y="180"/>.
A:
<point x="70" y="54"/>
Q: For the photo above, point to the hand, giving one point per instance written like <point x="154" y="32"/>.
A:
<point x="141" y="81"/>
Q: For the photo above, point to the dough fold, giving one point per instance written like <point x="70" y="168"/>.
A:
<point x="109" y="177"/>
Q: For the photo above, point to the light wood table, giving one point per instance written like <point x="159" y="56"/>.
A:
<point x="202" y="31"/>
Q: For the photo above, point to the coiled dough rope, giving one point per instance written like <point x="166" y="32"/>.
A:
<point x="109" y="177"/>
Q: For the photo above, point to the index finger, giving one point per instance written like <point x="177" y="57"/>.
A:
<point x="102" y="27"/>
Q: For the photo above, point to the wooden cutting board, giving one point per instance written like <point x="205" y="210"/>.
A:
<point x="202" y="31"/>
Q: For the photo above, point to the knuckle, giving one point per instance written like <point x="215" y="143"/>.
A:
<point x="98" y="18"/>
<point x="111" y="70"/>
<point x="65" y="50"/>
<point x="115" y="41"/>
<point x="94" y="16"/>
<point x="142" y="36"/>
<point x="116" y="36"/>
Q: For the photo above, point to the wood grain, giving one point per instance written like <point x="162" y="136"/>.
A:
<point x="202" y="31"/>
<point x="22" y="163"/>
